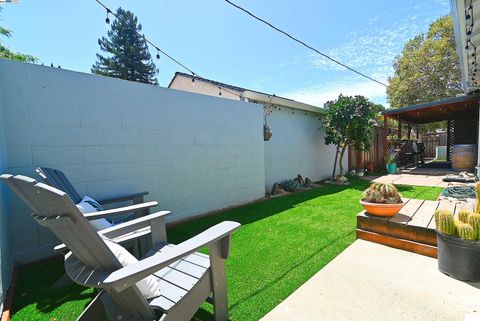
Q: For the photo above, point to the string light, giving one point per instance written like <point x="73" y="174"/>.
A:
<point x="469" y="23"/>
<point x="107" y="19"/>
<point x="193" y="74"/>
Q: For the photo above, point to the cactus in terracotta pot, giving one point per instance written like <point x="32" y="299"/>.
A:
<point x="381" y="193"/>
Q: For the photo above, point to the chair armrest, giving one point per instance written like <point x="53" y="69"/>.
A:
<point x="122" y="229"/>
<point x="132" y="225"/>
<point x="119" y="210"/>
<point x="129" y="275"/>
<point x="121" y="198"/>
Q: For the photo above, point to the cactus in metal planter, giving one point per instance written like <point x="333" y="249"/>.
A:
<point x="457" y="224"/>
<point x="463" y="215"/>
<point x="438" y="212"/>
<point x="474" y="221"/>
<point x="446" y="222"/>
<point x="477" y="193"/>
<point x="465" y="231"/>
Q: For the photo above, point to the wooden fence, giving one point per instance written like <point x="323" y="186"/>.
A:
<point x="375" y="156"/>
<point x="431" y="141"/>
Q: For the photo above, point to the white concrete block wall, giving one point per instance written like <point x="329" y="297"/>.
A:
<point x="297" y="146"/>
<point x="193" y="153"/>
<point x="6" y="262"/>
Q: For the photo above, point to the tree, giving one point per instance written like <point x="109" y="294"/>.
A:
<point x="9" y="54"/>
<point x="428" y="68"/>
<point x="348" y="121"/>
<point x="129" y="57"/>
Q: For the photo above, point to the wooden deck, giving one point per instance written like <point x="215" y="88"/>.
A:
<point x="412" y="229"/>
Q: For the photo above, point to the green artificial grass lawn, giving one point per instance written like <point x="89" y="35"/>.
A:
<point x="282" y="243"/>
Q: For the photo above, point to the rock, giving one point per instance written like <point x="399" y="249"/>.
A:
<point x="276" y="189"/>
<point x="309" y="183"/>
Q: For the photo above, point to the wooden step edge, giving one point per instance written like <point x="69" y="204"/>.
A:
<point x="398" y="230"/>
<point x="398" y="243"/>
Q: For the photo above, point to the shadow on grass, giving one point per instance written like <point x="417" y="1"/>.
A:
<point x="34" y="288"/>
<point x="257" y="211"/>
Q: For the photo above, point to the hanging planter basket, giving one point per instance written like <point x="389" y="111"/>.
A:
<point x="267" y="134"/>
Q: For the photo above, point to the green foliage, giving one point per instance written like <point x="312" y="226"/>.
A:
<point x="465" y="231"/>
<point x="6" y="53"/>
<point x="381" y="193"/>
<point x="428" y="68"/>
<point x="463" y="215"/>
<point x="129" y="57"/>
<point x="291" y="185"/>
<point x="474" y="221"/>
<point x="348" y="121"/>
<point x="446" y="222"/>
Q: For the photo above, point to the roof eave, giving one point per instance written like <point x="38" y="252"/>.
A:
<point x="274" y="100"/>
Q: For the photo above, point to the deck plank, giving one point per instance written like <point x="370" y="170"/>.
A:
<point x="407" y="211"/>
<point x="461" y="205"/>
<point x="444" y="205"/>
<point x="424" y="214"/>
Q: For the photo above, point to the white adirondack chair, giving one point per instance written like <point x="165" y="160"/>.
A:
<point x="185" y="277"/>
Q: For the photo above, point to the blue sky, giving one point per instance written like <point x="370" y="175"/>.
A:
<point x="221" y="43"/>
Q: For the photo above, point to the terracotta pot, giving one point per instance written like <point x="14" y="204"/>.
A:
<point x="386" y="210"/>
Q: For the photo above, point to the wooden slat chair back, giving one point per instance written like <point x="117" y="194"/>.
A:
<point x="57" y="179"/>
<point x="54" y="209"/>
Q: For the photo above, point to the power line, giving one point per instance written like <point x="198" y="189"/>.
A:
<point x="303" y="43"/>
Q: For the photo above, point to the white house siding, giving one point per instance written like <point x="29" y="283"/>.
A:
<point x="297" y="146"/>
<point x="193" y="153"/>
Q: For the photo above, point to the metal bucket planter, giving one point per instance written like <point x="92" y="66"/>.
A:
<point x="392" y="168"/>
<point x="458" y="258"/>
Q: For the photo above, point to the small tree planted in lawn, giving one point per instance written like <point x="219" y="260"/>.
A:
<point x="348" y="122"/>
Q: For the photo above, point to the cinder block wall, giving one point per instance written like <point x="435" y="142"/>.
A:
<point x="297" y="146"/>
<point x="5" y="251"/>
<point x="193" y="153"/>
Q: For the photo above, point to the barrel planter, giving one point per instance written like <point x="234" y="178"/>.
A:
<point x="392" y="168"/>
<point x="464" y="157"/>
<point x="458" y="258"/>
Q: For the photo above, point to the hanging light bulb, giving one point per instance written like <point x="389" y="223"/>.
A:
<point x="107" y="19"/>
<point x="219" y="91"/>
<point x="158" y="53"/>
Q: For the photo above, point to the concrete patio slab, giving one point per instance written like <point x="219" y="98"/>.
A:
<point x="373" y="282"/>
<point x="410" y="179"/>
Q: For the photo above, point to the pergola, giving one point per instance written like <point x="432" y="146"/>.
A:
<point x="461" y="114"/>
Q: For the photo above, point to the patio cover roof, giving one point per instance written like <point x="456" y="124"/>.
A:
<point x="450" y="108"/>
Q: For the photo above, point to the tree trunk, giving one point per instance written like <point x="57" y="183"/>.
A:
<point x="335" y="164"/>
<point x="340" y="161"/>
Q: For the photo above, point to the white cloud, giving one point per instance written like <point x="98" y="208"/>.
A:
<point x="320" y="94"/>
